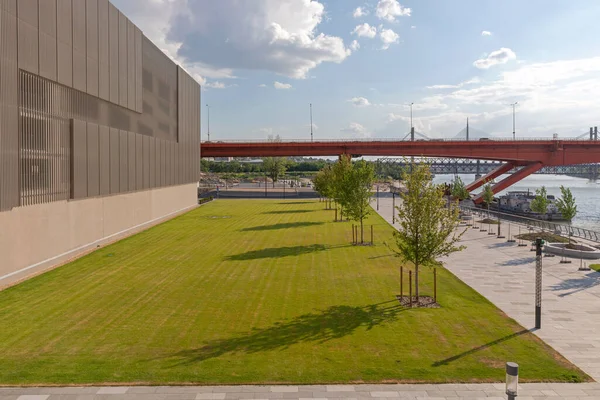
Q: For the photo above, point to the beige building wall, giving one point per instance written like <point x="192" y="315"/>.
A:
<point x="39" y="237"/>
<point x="99" y="132"/>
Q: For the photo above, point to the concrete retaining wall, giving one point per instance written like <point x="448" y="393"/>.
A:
<point x="590" y="253"/>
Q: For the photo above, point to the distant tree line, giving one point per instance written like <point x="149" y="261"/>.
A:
<point x="236" y="167"/>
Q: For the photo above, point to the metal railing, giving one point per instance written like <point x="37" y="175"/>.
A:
<point x="362" y="140"/>
<point x="561" y="229"/>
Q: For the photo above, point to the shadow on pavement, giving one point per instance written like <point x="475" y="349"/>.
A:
<point x="576" y="285"/>
<point x="501" y="245"/>
<point x="318" y="327"/>
<point x="518" y="261"/>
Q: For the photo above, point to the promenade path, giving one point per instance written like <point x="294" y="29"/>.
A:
<point x="505" y="274"/>
<point x="532" y="391"/>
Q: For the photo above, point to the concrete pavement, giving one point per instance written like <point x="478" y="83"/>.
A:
<point x="531" y="391"/>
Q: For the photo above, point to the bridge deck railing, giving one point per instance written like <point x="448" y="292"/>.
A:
<point x="561" y="229"/>
<point x="361" y="140"/>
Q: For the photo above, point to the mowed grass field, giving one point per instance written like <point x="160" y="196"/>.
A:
<point x="255" y="291"/>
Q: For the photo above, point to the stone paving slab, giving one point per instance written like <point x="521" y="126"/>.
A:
<point x="505" y="274"/>
<point x="529" y="391"/>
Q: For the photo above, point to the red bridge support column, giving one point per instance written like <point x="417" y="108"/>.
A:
<point x="504" y="168"/>
<point x="512" y="179"/>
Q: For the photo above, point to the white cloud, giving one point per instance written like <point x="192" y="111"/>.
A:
<point x="388" y="37"/>
<point x="562" y="94"/>
<point x="497" y="57"/>
<point x="390" y="9"/>
<point x="459" y="85"/>
<point x="413" y="27"/>
<point x="365" y="30"/>
<point x="279" y="85"/>
<point x="360" y="102"/>
<point x="357" y="130"/>
<point x="266" y="131"/>
<point x="217" y="85"/>
<point x="355" y="45"/>
<point x="215" y="38"/>
<point x="486" y="33"/>
<point x="262" y="85"/>
<point x="360" y="12"/>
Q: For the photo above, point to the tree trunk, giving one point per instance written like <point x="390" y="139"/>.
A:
<point x="417" y="282"/>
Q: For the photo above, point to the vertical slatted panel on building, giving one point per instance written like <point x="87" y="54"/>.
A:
<point x="44" y="134"/>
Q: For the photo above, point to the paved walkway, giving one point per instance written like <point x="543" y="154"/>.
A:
<point x="505" y="274"/>
<point x="585" y="391"/>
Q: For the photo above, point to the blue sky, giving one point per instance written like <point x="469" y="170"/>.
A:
<point x="261" y="63"/>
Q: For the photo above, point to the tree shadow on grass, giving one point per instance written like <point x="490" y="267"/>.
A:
<point x="280" y="226"/>
<point x="479" y="348"/>
<point x="296" y="202"/>
<point x="576" y="285"/>
<point x="276" y="252"/>
<point x="318" y="327"/>
<point x="288" y="212"/>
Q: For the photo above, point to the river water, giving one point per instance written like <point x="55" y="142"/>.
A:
<point x="586" y="193"/>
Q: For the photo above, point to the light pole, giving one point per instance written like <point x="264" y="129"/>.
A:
<point x="514" y="120"/>
<point x="208" y="121"/>
<point x="411" y="116"/>
<point x="311" y="123"/>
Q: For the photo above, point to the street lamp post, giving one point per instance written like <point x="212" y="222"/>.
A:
<point x="514" y="118"/>
<point x="208" y="121"/>
<point x="311" y="123"/>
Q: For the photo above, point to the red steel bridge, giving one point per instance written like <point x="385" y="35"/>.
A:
<point x="523" y="157"/>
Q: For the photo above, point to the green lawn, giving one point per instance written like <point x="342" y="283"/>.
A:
<point x="595" y="267"/>
<point x="254" y="292"/>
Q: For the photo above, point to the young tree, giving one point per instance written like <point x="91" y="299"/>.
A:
<point x="540" y="203"/>
<point x="427" y="229"/>
<point x="323" y="182"/>
<point x="274" y="167"/>
<point x="341" y="173"/>
<point x="488" y="195"/>
<point x="567" y="207"/>
<point x="359" y="185"/>
<point x="459" y="190"/>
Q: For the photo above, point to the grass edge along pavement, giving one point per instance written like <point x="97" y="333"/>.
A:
<point x="255" y="292"/>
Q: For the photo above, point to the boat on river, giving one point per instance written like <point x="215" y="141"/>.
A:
<point x="519" y="203"/>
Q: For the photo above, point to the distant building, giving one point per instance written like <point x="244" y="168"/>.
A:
<point x="99" y="131"/>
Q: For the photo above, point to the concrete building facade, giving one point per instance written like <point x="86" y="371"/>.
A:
<point x="99" y="131"/>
